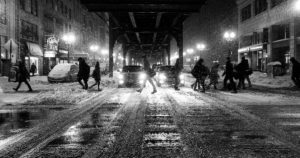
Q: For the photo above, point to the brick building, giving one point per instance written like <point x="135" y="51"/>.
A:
<point x="268" y="32"/>
<point x="37" y="27"/>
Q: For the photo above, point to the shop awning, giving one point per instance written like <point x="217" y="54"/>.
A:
<point x="34" y="49"/>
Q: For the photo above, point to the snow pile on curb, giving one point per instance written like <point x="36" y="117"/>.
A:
<point x="261" y="79"/>
<point x="60" y="96"/>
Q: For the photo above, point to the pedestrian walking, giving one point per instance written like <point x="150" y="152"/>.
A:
<point x="229" y="74"/>
<point x="200" y="72"/>
<point x="83" y="73"/>
<point x="295" y="72"/>
<point x="244" y="72"/>
<point x="23" y="76"/>
<point x="32" y="69"/>
<point x="150" y="73"/>
<point x="177" y="71"/>
<point x="214" y="76"/>
<point x="97" y="76"/>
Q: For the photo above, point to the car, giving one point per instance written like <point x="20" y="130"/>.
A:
<point x="166" y="76"/>
<point x="63" y="73"/>
<point x="131" y="76"/>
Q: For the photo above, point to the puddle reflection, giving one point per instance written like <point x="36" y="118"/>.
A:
<point x="16" y="121"/>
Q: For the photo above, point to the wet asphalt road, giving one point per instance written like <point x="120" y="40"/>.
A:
<point x="124" y="123"/>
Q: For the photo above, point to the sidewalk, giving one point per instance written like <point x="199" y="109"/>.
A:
<point x="46" y="93"/>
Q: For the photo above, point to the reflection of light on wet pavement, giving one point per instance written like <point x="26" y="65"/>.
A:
<point x="13" y="122"/>
<point x="161" y="137"/>
<point x="72" y="135"/>
<point x="287" y="115"/>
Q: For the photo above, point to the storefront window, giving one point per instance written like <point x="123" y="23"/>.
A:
<point x="3" y="18"/>
<point x="4" y="53"/>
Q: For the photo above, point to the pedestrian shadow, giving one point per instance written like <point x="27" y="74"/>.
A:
<point x="24" y="91"/>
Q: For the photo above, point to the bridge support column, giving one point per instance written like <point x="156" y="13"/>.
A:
<point x="180" y="44"/>
<point x="169" y="53"/>
<point x="111" y="49"/>
<point x="125" y="49"/>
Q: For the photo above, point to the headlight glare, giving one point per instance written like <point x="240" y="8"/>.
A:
<point x="121" y="77"/>
<point x="142" y="76"/>
<point x="162" y="77"/>
<point x="181" y="76"/>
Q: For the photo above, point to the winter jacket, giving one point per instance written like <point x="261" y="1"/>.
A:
<point x="200" y="71"/>
<point x="296" y="69"/>
<point x="214" y="75"/>
<point x="23" y="74"/>
<point x="32" y="68"/>
<point x="228" y="69"/>
<point x="96" y="74"/>
<point x="177" y="68"/>
<point x="84" y="70"/>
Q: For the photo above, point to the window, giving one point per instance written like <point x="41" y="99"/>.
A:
<point x="3" y="18"/>
<point x="29" y="31"/>
<point x="4" y="52"/>
<point x="260" y="6"/>
<point x="246" y="13"/>
<point x="30" y="6"/>
<point x="276" y="2"/>
<point x="281" y="32"/>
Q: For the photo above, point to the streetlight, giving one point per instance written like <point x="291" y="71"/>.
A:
<point x="201" y="46"/>
<point x="229" y="36"/>
<point x="69" y="38"/>
<point x="190" y="51"/>
<point x="94" y="48"/>
<point x="297" y="5"/>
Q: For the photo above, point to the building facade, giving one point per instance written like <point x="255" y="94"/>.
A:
<point x="37" y="27"/>
<point x="268" y="32"/>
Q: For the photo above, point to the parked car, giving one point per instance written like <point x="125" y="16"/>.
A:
<point x="131" y="76"/>
<point x="63" y="73"/>
<point x="166" y="76"/>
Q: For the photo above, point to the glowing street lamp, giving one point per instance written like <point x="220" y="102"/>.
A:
<point x="94" y="48"/>
<point x="229" y="36"/>
<point x="201" y="46"/>
<point x="297" y="5"/>
<point x="69" y="38"/>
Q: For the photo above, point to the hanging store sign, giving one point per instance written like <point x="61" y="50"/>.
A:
<point x="52" y="43"/>
<point x="250" y="49"/>
<point x="50" y="54"/>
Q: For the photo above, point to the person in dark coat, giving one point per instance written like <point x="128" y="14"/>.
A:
<point x="32" y="69"/>
<point x="200" y="71"/>
<point x="244" y="71"/>
<point x="177" y="71"/>
<point x="295" y="72"/>
<point x="214" y="75"/>
<point x="150" y="73"/>
<point x="228" y="73"/>
<point x="23" y="75"/>
<point x="83" y="73"/>
<point x="97" y="76"/>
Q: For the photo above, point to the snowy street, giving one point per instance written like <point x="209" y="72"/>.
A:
<point x="120" y="122"/>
